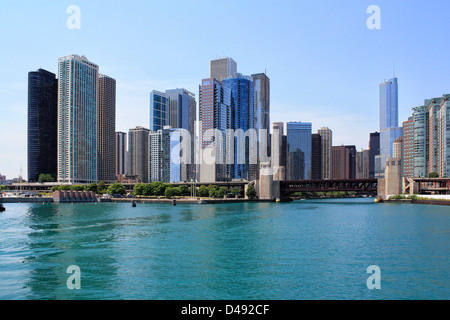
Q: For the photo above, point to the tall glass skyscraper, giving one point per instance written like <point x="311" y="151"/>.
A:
<point x="421" y="140"/>
<point x="77" y="120"/>
<point x="159" y="110"/>
<point x="42" y="124"/>
<point x="243" y="118"/>
<point x="389" y="130"/>
<point x="214" y="115"/>
<point x="374" y="150"/>
<point x="182" y="114"/>
<point x="299" y="140"/>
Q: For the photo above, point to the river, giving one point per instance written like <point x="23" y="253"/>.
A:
<point x="315" y="249"/>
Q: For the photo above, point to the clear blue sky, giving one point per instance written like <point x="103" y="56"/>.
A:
<point x="325" y="65"/>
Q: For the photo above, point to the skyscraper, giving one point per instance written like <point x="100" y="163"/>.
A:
<point x="182" y="114"/>
<point x="138" y="153"/>
<point x="77" y="120"/>
<point x="222" y="68"/>
<point x="374" y="150"/>
<point x="42" y="124"/>
<point x="326" y="158"/>
<point x="106" y="120"/>
<point x="408" y="148"/>
<point x="262" y="105"/>
<point x="389" y="130"/>
<point x="155" y="157"/>
<point x="316" y="157"/>
<point x="344" y="162"/>
<point x="444" y="138"/>
<point x="299" y="145"/>
<point x="434" y="109"/>
<point x="243" y="120"/>
<point x="159" y="110"/>
<point x="362" y="164"/>
<point x="121" y="153"/>
<point x="215" y="119"/>
<point x="421" y="140"/>
<point x="277" y="152"/>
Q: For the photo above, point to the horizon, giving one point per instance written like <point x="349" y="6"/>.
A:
<point x="332" y="83"/>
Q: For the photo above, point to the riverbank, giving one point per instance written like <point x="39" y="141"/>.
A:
<point x="424" y="200"/>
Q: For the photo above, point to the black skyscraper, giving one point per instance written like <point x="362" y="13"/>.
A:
<point x="316" y="157"/>
<point x="42" y="124"/>
<point x="374" y="146"/>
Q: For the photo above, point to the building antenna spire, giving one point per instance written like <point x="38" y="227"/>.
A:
<point x="393" y="69"/>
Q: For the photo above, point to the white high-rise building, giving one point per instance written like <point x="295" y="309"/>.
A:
<point x="327" y="142"/>
<point x="77" y="120"/>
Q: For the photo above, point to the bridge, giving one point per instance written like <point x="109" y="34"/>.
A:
<point x="426" y="185"/>
<point x="284" y="189"/>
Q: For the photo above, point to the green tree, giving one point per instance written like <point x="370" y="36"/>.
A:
<point x="64" y="187"/>
<point x="213" y="190"/>
<point x="159" y="188"/>
<point x="171" y="192"/>
<point x="116" y="188"/>
<point x="45" y="177"/>
<point x="2" y="187"/>
<point x="433" y="175"/>
<point x="251" y="191"/>
<point x="203" y="191"/>
<point x="184" y="191"/>
<point x="92" y="187"/>
<point x="139" y="189"/>
<point x="148" y="190"/>
<point x="221" y="192"/>
<point x="77" y="188"/>
<point x="101" y="187"/>
<point x="236" y="191"/>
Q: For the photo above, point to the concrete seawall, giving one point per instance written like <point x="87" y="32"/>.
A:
<point x="26" y="200"/>
<point x="187" y="200"/>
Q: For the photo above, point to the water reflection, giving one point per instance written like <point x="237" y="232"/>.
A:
<point x="62" y="236"/>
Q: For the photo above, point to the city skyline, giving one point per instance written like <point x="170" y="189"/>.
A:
<point x="295" y="83"/>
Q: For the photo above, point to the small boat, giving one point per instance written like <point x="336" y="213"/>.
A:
<point x="2" y="208"/>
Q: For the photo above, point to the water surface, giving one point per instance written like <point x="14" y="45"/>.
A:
<point x="300" y="250"/>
